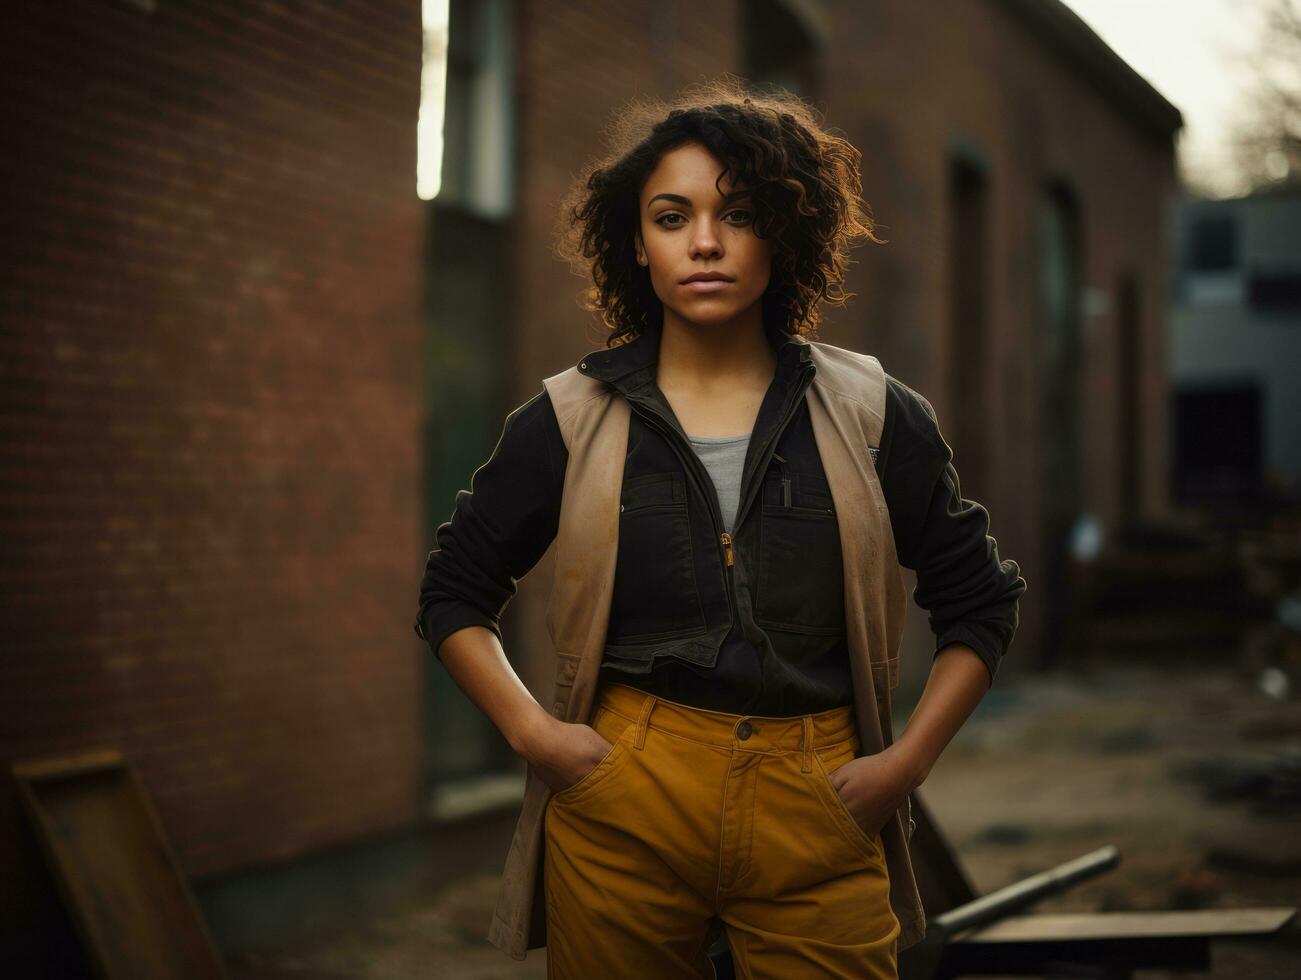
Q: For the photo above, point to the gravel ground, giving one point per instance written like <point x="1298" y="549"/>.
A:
<point x="1194" y="775"/>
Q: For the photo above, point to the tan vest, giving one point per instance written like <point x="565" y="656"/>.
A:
<point x="846" y="401"/>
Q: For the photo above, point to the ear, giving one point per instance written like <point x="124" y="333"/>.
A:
<point x="639" y="247"/>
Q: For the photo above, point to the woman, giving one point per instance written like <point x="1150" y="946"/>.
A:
<point x="720" y="779"/>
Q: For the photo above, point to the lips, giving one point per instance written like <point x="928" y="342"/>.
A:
<point x="706" y="282"/>
<point x="706" y="285"/>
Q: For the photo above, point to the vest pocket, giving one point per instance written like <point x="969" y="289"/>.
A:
<point x="655" y="595"/>
<point x="800" y="584"/>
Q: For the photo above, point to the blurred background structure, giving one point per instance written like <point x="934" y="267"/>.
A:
<point x="276" y="272"/>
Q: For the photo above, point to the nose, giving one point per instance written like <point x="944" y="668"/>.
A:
<point x="704" y="243"/>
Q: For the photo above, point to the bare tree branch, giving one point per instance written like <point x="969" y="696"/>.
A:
<point x="1267" y="139"/>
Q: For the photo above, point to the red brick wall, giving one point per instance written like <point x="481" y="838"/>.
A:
<point x="210" y="407"/>
<point x="907" y="81"/>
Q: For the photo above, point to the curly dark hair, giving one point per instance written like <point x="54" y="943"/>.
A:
<point x="805" y="180"/>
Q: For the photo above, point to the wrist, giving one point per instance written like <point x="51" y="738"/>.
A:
<point x="530" y="736"/>
<point x="913" y="760"/>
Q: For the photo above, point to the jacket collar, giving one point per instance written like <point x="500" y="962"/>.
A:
<point x="631" y="366"/>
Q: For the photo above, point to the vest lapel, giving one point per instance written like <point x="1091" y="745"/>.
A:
<point x="846" y="409"/>
<point x="587" y="540"/>
<point x="594" y="425"/>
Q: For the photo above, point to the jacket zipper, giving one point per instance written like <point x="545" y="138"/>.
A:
<point x="692" y="464"/>
<point x="701" y="476"/>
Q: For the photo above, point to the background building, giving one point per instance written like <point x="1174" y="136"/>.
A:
<point x="1235" y="348"/>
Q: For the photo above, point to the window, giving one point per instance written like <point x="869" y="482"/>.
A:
<point x="968" y="360"/>
<point x="466" y="127"/>
<point x="1271" y="294"/>
<point x="1060" y="478"/>
<point x="1212" y="244"/>
<point x="1129" y="381"/>
<point x="1218" y="441"/>
<point x="783" y="41"/>
<point x="465" y="173"/>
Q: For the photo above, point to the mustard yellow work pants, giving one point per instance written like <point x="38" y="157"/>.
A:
<point x="697" y="814"/>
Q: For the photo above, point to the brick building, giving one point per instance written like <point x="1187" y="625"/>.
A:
<point x="212" y="295"/>
<point x="247" y="367"/>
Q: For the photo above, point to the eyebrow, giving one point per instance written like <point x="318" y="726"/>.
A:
<point x="679" y="199"/>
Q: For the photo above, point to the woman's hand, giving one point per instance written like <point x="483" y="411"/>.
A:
<point x="563" y="753"/>
<point x="874" y="787"/>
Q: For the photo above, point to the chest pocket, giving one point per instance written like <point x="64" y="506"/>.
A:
<point x="655" y="595"/>
<point x="800" y="585"/>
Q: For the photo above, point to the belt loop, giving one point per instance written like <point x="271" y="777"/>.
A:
<point x="808" y="744"/>
<point x="644" y="721"/>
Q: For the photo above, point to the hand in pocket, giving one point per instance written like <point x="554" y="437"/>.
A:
<point x="572" y="751"/>
<point x="872" y="788"/>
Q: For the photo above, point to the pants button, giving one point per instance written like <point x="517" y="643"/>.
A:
<point x="743" y="730"/>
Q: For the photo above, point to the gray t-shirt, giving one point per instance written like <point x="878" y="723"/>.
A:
<point x="724" y="458"/>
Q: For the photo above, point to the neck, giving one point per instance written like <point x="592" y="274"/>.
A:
<point x="716" y="356"/>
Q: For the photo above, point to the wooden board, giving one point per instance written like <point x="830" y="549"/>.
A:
<point x="1131" y="925"/>
<point x="107" y="852"/>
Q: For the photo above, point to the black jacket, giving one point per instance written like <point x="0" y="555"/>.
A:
<point x="764" y="634"/>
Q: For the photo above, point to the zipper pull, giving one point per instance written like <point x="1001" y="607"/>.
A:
<point x="727" y="547"/>
<point x="786" y="480"/>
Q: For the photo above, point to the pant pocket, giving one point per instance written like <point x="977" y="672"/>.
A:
<point x="619" y="732"/>
<point x="867" y="845"/>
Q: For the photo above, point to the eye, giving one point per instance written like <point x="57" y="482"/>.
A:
<point x="663" y="222"/>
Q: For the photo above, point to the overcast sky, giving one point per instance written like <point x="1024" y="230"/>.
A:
<point x="1186" y="50"/>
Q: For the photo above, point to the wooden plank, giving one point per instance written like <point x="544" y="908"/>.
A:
<point x="1130" y="925"/>
<point x="67" y="765"/>
<point x="114" y="868"/>
<point x="1110" y="958"/>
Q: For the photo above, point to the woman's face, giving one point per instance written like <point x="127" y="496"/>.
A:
<point x="688" y="227"/>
